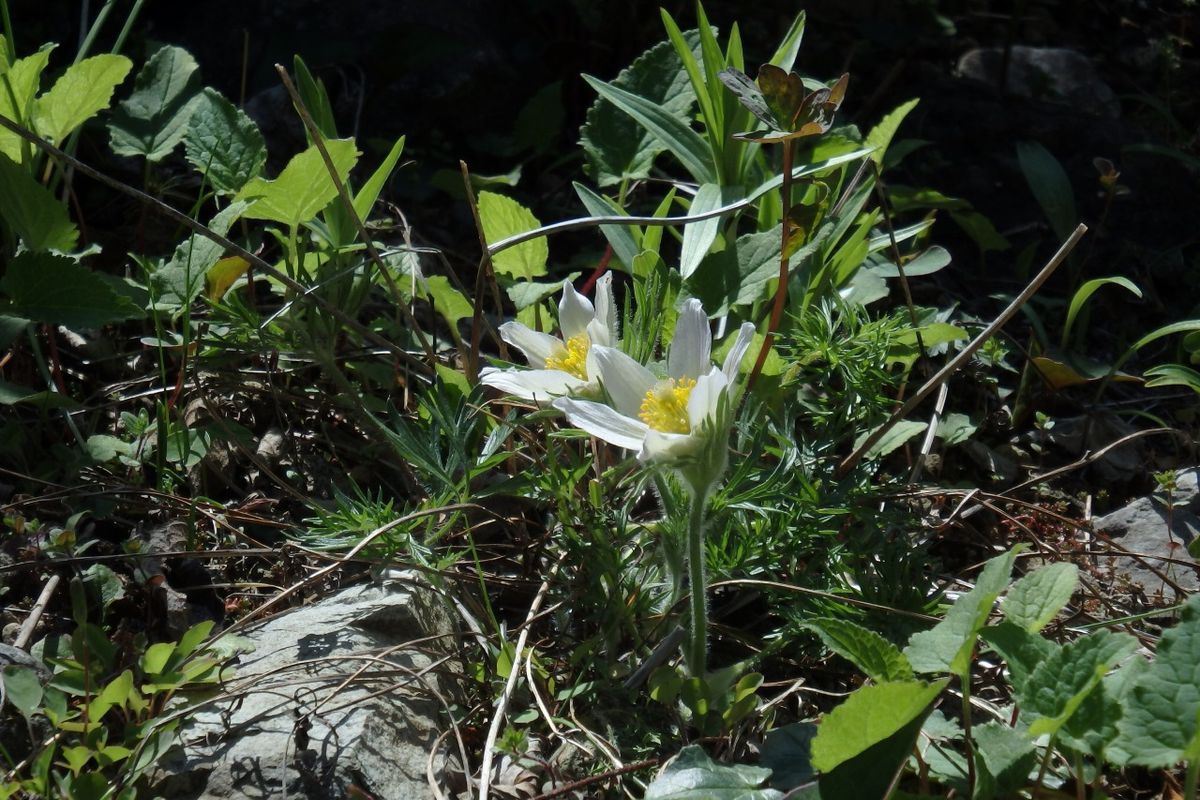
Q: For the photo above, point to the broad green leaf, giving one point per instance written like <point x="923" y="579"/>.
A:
<point x="692" y="775"/>
<point x="155" y="117"/>
<point x="896" y="436"/>
<point x="1019" y="648"/>
<point x="104" y="583"/>
<point x="179" y="281"/>
<point x="616" y="146"/>
<point x="1161" y="726"/>
<point x="114" y="693"/>
<point x="927" y="263"/>
<point x="1095" y="724"/>
<point x="672" y="132"/>
<point x="955" y="428"/>
<point x="738" y="275"/>
<point x="785" y="751"/>
<point x="104" y="448"/>
<point x="879" y="659"/>
<point x="947" y="647"/>
<point x="698" y="237"/>
<point x="1058" y="685"/>
<point x="303" y="188"/>
<point x="32" y="212"/>
<point x="364" y="201"/>
<point x="868" y="716"/>
<point x="83" y="91"/>
<point x="503" y="217"/>
<point x="18" y="86"/>
<point x="193" y="637"/>
<point x="448" y="301"/>
<point x="22" y="688"/>
<point x="881" y="135"/>
<point x="1006" y="753"/>
<point x="223" y="144"/>
<point x="528" y="293"/>
<point x="624" y="239"/>
<point x="60" y="291"/>
<point x="1084" y="293"/>
<point x="1034" y="599"/>
<point x="157" y="657"/>
<point x="1050" y="186"/>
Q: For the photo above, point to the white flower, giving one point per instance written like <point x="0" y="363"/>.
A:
<point x="563" y="366"/>
<point x="662" y="418"/>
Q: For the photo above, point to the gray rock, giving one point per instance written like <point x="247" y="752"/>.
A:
<point x="1142" y="527"/>
<point x="1044" y="73"/>
<point x="339" y="694"/>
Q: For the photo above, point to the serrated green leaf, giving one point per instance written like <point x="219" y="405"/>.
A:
<point x="503" y="217"/>
<point x="18" y="86"/>
<point x="1050" y="186"/>
<point x="879" y="659"/>
<point x="692" y="775"/>
<point x="1161" y="726"/>
<point x="616" y="146"/>
<point x="883" y="132"/>
<point x="32" y="212"/>
<point x="155" y="117"/>
<point x="60" y="291"/>
<point x="223" y="144"/>
<point x="179" y="281"/>
<point x="303" y="188"/>
<point x="1058" y="685"/>
<point x="948" y="645"/>
<point x="1006" y="753"/>
<point x="870" y="715"/>
<point x="1034" y="599"/>
<point x="670" y="131"/>
<point x="83" y="91"/>
<point x="1094" y="725"/>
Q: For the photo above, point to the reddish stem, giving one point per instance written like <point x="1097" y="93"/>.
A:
<point x="781" y="290"/>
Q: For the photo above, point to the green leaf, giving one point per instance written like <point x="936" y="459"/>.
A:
<point x="60" y="291"/>
<point x="955" y="428"/>
<point x="223" y="144"/>
<point x="622" y="238"/>
<point x="22" y="688"/>
<point x="927" y="263"/>
<point x="364" y="201"/>
<point x="83" y="91"/>
<point x="528" y="293"/>
<point x="104" y="583"/>
<point x="1095" y="724"/>
<point x="1058" y="685"/>
<point x="899" y="433"/>
<point x="17" y="89"/>
<point x="104" y="448"/>
<point x="303" y="188"/>
<point x="981" y="230"/>
<point x="785" y="751"/>
<point x="448" y="301"/>
<point x="32" y="212"/>
<point x="673" y="133"/>
<point x="179" y="281"/>
<point x="12" y="394"/>
<point x="1022" y="650"/>
<point x="503" y="217"/>
<point x="1173" y="375"/>
<point x="881" y="135"/>
<point x="616" y="146"/>
<point x="1160" y="727"/>
<point x="1006" y="753"/>
<point x="155" y="117"/>
<point x="738" y="274"/>
<point x="193" y="638"/>
<point x="1034" y="600"/>
<point x="1084" y="293"/>
<point x="869" y="716"/>
<point x="698" y="237"/>
<point x="948" y="645"/>
<point x="692" y="775"/>
<point x="1050" y="186"/>
<point x="876" y="657"/>
<point x="115" y="693"/>
<point x="789" y="47"/>
<point x="157" y="657"/>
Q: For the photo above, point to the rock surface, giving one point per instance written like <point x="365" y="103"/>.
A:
<point x="1044" y="73"/>
<point x="1157" y="527"/>
<point x="338" y="696"/>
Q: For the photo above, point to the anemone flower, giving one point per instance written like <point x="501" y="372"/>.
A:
<point x="563" y="366"/>
<point x="663" y="419"/>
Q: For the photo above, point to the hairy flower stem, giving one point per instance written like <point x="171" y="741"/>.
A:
<point x="697" y="649"/>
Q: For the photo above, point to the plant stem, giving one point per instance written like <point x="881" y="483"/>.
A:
<point x="964" y="681"/>
<point x="697" y="641"/>
<point x="1191" y="779"/>
<point x="781" y="289"/>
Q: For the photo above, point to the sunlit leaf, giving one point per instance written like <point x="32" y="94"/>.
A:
<point x="869" y="716"/>
<point x="303" y="188"/>
<point x="503" y="217"/>
<point x="32" y="212"/>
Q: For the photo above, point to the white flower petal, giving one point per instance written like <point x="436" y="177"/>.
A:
<point x="603" y="329"/>
<point x="691" y="348"/>
<point x="536" y="346"/>
<point x="703" y="399"/>
<point x="540" y="385"/>
<point x="574" y="312"/>
<point x="667" y="446"/>
<point x="625" y="380"/>
<point x="603" y="422"/>
<point x="733" y="359"/>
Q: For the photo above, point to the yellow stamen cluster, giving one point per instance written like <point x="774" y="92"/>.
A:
<point x="665" y="406"/>
<point x="572" y="359"/>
